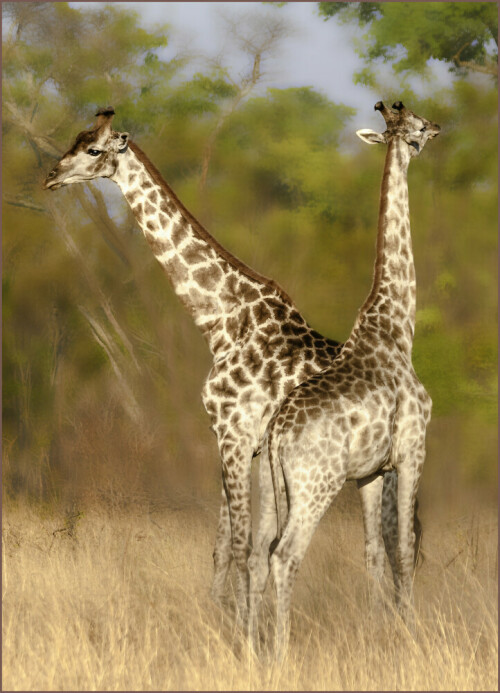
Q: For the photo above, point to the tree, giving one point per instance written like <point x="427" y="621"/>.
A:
<point x="92" y="334"/>
<point x="408" y="34"/>
<point x="258" y="38"/>
<point x="65" y="324"/>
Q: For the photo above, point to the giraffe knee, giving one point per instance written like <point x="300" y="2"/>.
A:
<point x="284" y="561"/>
<point x="253" y="562"/>
<point x="241" y="555"/>
<point x="259" y="571"/>
<point x="221" y="556"/>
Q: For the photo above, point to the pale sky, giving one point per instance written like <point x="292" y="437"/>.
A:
<point x="318" y="53"/>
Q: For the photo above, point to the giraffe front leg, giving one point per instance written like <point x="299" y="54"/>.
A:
<point x="222" y="552"/>
<point x="236" y="470"/>
<point x="370" y="490"/>
<point x="307" y="506"/>
<point x="285" y="562"/>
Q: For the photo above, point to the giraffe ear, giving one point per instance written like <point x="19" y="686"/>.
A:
<point x="370" y="136"/>
<point x="119" y="142"/>
<point x="123" y="139"/>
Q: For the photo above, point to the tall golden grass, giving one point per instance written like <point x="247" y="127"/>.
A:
<point x="107" y="598"/>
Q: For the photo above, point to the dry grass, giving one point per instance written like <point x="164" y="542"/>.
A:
<point x="118" y="600"/>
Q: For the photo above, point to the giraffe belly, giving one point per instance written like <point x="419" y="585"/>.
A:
<point x="369" y="438"/>
<point x="349" y="439"/>
<point x="369" y="450"/>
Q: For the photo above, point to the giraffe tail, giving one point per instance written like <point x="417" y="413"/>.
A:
<point x="273" y="459"/>
<point x="417" y="528"/>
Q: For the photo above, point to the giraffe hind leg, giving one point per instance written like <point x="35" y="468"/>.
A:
<point x="370" y="490"/>
<point x="258" y="563"/>
<point x="390" y="528"/>
<point x="409" y="472"/>
<point x="285" y="562"/>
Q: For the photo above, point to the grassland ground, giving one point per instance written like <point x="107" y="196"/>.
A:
<point x="104" y="597"/>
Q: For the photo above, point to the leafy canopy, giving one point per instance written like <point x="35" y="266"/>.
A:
<point x="409" y="34"/>
<point x="280" y="193"/>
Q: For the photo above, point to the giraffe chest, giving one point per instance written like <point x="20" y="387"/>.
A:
<point x="241" y="393"/>
<point x="247" y="385"/>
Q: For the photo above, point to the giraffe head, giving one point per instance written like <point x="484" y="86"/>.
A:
<point x="94" y="153"/>
<point x="403" y="124"/>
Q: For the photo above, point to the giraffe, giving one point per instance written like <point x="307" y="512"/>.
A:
<point x="260" y="344"/>
<point x="363" y="415"/>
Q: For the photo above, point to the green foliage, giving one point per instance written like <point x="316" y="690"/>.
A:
<point x="202" y="95"/>
<point x="281" y="193"/>
<point x="288" y="144"/>
<point x="365" y="11"/>
<point x="409" y="34"/>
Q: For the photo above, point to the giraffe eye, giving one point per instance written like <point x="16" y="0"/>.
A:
<point x="94" y="152"/>
<point x="423" y="129"/>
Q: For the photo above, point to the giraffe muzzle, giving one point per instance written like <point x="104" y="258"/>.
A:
<point x="50" y="183"/>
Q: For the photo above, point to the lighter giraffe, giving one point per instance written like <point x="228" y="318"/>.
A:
<point x="365" y="414"/>
<point x="262" y="347"/>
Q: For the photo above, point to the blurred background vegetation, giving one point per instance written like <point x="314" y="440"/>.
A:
<point x="102" y="368"/>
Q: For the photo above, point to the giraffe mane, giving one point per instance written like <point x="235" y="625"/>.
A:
<point x="203" y="233"/>
<point x="377" y="273"/>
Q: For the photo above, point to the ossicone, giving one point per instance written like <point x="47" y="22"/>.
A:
<point x="106" y="111"/>
<point x="104" y="116"/>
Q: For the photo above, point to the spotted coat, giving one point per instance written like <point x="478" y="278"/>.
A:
<point x="261" y="346"/>
<point x="363" y="415"/>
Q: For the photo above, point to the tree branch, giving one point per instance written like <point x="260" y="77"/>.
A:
<point x="104" y="340"/>
<point x="490" y="69"/>
<point x="19" y="202"/>
<point x="245" y="87"/>
<point x="92" y="282"/>
<point x="44" y="143"/>
<point x="98" y="214"/>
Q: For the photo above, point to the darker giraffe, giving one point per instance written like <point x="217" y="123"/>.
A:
<point x="364" y="415"/>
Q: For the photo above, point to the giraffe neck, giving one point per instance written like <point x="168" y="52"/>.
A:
<point x="389" y="309"/>
<point x="215" y="287"/>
